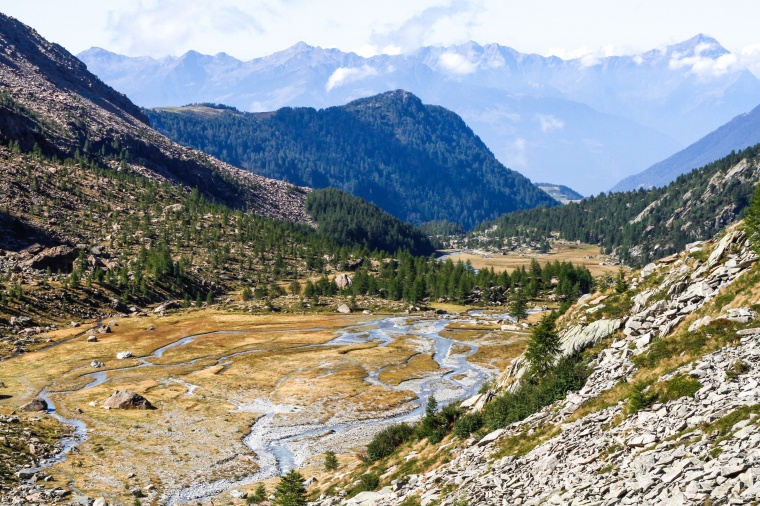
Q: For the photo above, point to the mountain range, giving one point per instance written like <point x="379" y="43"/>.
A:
<point x="418" y="162"/>
<point x="741" y="132"/>
<point x="586" y="122"/>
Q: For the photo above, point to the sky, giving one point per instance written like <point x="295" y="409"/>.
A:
<point x="247" y="29"/>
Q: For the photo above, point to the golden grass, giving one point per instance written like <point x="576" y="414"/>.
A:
<point x="587" y="255"/>
<point x="418" y="366"/>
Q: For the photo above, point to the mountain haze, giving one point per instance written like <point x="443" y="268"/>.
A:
<point x="739" y="133"/>
<point x="586" y="123"/>
<point x="418" y="162"/>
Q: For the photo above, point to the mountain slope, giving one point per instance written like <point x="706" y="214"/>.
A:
<point x="51" y="100"/>
<point x="100" y="213"/>
<point x="416" y="161"/>
<point x="560" y="192"/>
<point x="586" y="123"/>
<point x="644" y="225"/>
<point x="739" y="133"/>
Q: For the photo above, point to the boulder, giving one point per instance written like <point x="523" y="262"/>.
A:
<point x="165" y="306"/>
<point x="343" y="281"/>
<point x="579" y="336"/>
<point x="35" y="405"/>
<point x="96" y="364"/>
<point x="58" y="257"/>
<point x="343" y="308"/>
<point x="92" y="339"/>
<point x="126" y="399"/>
<point x="104" y="329"/>
<point x="123" y="354"/>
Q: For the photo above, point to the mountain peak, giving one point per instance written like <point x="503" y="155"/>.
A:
<point x="699" y="45"/>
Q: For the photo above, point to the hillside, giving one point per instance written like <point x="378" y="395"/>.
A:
<point x="740" y="133"/>
<point x="100" y="214"/>
<point x="652" y="398"/>
<point x="585" y="122"/>
<point x="643" y="225"/>
<point x="418" y="162"/>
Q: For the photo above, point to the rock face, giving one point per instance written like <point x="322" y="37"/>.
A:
<point x="56" y="258"/>
<point x="343" y="281"/>
<point x="35" y="405"/>
<point x="126" y="399"/>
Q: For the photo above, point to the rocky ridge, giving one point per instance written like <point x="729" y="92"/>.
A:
<point x="694" y="448"/>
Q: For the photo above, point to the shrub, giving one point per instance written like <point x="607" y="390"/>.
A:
<point x="387" y="440"/>
<point x="331" y="461"/>
<point x="569" y="373"/>
<point x="468" y="424"/>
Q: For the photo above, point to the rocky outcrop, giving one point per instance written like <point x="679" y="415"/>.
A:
<point x="126" y="399"/>
<point x="58" y="258"/>
<point x="343" y="281"/>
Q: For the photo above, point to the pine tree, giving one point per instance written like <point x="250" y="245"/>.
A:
<point x="543" y="347"/>
<point x="752" y="220"/>
<point x="331" y="461"/>
<point x="518" y="308"/>
<point x="290" y="491"/>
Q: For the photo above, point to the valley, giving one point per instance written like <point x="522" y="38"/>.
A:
<point x="360" y="305"/>
<point x="242" y="398"/>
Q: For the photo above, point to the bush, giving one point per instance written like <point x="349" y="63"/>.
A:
<point x="369" y="481"/>
<point x="468" y="424"/>
<point x="387" y="440"/>
<point x="331" y="461"/>
<point x="569" y="373"/>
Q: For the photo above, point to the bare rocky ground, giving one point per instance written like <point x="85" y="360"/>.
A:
<point x="695" y="447"/>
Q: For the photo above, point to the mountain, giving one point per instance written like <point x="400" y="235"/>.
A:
<point x="739" y="133"/>
<point x="418" y="162"/>
<point x="644" y="225"/>
<point x="586" y="122"/>
<point x="560" y="192"/>
<point x="99" y="212"/>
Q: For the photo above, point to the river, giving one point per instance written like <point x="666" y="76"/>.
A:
<point x="279" y="447"/>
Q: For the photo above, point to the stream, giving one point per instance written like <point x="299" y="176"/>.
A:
<point x="280" y="448"/>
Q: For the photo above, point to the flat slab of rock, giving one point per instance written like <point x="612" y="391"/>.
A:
<point x="126" y="399"/>
<point x="491" y="437"/>
<point x="35" y="405"/>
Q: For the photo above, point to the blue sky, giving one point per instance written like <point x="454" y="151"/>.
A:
<point x="252" y="28"/>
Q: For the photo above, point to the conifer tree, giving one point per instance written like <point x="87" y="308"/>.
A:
<point x="543" y="347"/>
<point x="290" y="491"/>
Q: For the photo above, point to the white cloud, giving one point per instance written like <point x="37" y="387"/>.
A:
<point x="434" y="25"/>
<point x="456" y="63"/>
<point x="706" y="67"/>
<point x="344" y="75"/>
<point x="160" y="27"/>
<point x="749" y="57"/>
<point x="549" y="123"/>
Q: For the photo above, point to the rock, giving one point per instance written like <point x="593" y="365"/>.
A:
<point x="82" y="500"/>
<point x="343" y="308"/>
<point x="126" y="399"/>
<point x="96" y="364"/>
<point x="56" y="258"/>
<point x="123" y="355"/>
<point x="104" y="329"/>
<point x="74" y="324"/>
<point x="35" y="405"/>
<point x="580" y="336"/>
<point x="92" y="339"/>
<point x="238" y="494"/>
<point x="165" y="306"/>
<point x="491" y="437"/>
<point x="100" y="501"/>
<point x="136" y="492"/>
<point x="648" y="270"/>
<point x="343" y="281"/>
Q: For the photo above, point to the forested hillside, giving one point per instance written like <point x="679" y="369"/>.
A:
<point x="643" y="225"/>
<point x="416" y="161"/>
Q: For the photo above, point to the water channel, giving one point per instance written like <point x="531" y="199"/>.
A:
<point x="279" y="447"/>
